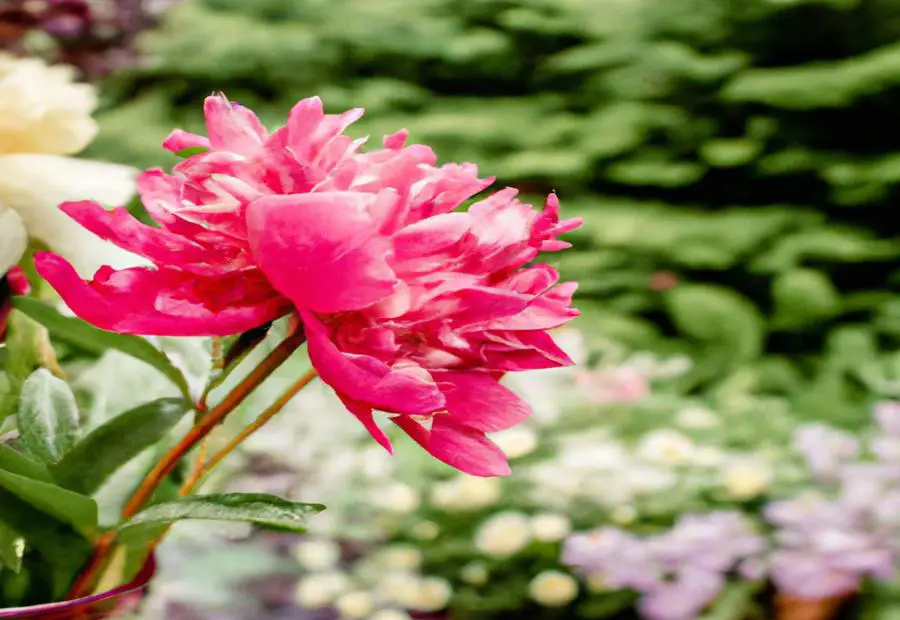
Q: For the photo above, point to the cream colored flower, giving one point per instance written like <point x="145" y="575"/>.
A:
<point x="390" y="614"/>
<point x="550" y="527"/>
<point x="465" y="493"/>
<point x="624" y="514"/>
<point x="43" y="109"/>
<point x="432" y="594"/>
<point x="400" y="557"/>
<point x="504" y="534"/>
<point x="317" y="554"/>
<point x="746" y="478"/>
<point x="553" y="589"/>
<point x="516" y="442"/>
<point x="356" y="604"/>
<point x="320" y="590"/>
<point x="696" y="417"/>
<point x="44" y="117"/>
<point x="13" y="239"/>
<point x="397" y="497"/>
<point x="666" y="446"/>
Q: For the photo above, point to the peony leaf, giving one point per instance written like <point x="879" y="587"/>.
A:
<point x="107" y="448"/>
<point x="257" y="508"/>
<point x="15" y="462"/>
<point x="47" y="417"/>
<point x="79" y="511"/>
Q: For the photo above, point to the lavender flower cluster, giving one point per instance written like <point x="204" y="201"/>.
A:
<point x="819" y="544"/>
<point x="678" y="572"/>
<point x="96" y="36"/>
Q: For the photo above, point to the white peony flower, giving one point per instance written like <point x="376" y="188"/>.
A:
<point x="43" y="109"/>
<point x="44" y="117"/>
<point x="504" y="534"/>
<point x="550" y="527"/>
<point x="553" y="589"/>
<point x="317" y="554"/>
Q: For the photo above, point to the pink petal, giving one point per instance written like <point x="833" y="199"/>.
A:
<point x="430" y="235"/>
<point x="321" y="250"/>
<point x="364" y="415"/>
<point x="463" y="448"/>
<point x="522" y="350"/>
<point x="180" y="140"/>
<point x="232" y="127"/>
<point x="366" y="380"/>
<point x="478" y="401"/>
<point x="161" y="302"/>
<point x="159" y="245"/>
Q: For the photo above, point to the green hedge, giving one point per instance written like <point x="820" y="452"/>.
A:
<point x="743" y="149"/>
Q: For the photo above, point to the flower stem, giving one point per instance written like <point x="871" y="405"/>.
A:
<point x="170" y="460"/>
<point x="251" y="428"/>
<point x="208" y="422"/>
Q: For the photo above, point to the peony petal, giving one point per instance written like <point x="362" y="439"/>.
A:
<point x="232" y="127"/>
<point x="430" y="235"/>
<point x="321" y="250"/>
<point x="180" y="140"/>
<point x="478" y="401"/>
<point x="35" y="185"/>
<point x="364" y="415"/>
<point x="522" y="350"/>
<point x="13" y="239"/>
<point x="467" y="450"/>
<point x="160" y="302"/>
<point x="364" y="379"/>
<point x="159" y="245"/>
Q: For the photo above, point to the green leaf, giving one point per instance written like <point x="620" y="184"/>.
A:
<point x="12" y="547"/>
<point x="63" y="505"/>
<point x="63" y="549"/>
<point x="257" y="508"/>
<point x="47" y="417"/>
<point x="99" y="455"/>
<point x="77" y="332"/>
<point x="803" y="297"/>
<point x="191" y="151"/>
<point x="15" y="462"/>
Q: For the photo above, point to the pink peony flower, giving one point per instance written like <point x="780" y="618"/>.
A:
<point x="410" y="307"/>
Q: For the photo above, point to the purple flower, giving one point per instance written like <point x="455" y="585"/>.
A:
<point x="679" y="572"/>
<point x="825" y="449"/>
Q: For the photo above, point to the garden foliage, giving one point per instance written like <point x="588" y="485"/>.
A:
<point x="735" y="159"/>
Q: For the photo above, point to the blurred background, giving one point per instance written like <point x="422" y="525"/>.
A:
<point x="729" y="446"/>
